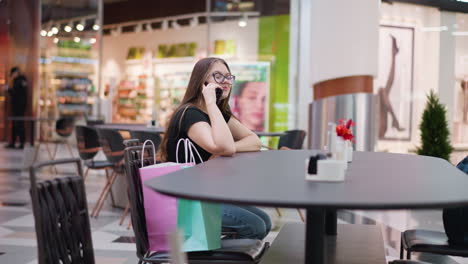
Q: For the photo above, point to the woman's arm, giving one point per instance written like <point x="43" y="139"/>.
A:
<point x="217" y="138"/>
<point x="245" y="139"/>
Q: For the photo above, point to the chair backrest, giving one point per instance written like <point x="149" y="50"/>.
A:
<point x="61" y="217"/>
<point x="64" y="126"/>
<point x="135" y="194"/>
<point x="147" y="135"/>
<point x="87" y="140"/>
<point x="112" y="145"/>
<point x="293" y="139"/>
<point x="92" y="122"/>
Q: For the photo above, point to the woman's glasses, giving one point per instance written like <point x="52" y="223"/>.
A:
<point x="220" y="78"/>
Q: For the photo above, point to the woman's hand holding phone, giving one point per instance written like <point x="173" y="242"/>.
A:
<point x="212" y="93"/>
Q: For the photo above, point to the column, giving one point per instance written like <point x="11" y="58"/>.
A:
<point x="447" y="65"/>
<point x="342" y="61"/>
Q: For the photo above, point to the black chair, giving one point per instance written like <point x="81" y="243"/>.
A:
<point x="112" y="145"/>
<point x="294" y="139"/>
<point x="436" y="242"/>
<point x="61" y="217"/>
<point x="142" y="136"/>
<point x="232" y="251"/>
<point x="87" y="140"/>
<point x="94" y="121"/>
<point x="64" y="128"/>
<point x="428" y="241"/>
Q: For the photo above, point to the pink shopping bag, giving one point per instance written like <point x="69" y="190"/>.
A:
<point x="160" y="210"/>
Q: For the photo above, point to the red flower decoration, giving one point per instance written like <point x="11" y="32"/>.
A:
<point x="343" y="129"/>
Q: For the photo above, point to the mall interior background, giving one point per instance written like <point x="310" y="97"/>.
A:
<point x="133" y="66"/>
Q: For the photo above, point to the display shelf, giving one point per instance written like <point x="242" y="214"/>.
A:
<point x="133" y="100"/>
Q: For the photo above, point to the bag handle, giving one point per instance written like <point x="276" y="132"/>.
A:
<point x="143" y="151"/>
<point x="189" y="148"/>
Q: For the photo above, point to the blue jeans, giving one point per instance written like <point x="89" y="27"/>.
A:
<point x="246" y="221"/>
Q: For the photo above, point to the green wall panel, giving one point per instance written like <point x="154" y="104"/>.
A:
<point x="273" y="47"/>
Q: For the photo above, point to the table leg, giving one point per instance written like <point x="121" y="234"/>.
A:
<point x="331" y="220"/>
<point x="315" y="236"/>
<point x="32" y="133"/>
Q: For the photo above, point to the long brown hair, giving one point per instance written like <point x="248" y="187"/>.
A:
<point x="194" y="97"/>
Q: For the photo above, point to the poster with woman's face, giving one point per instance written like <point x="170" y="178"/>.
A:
<point x="249" y="97"/>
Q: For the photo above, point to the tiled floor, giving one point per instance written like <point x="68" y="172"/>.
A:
<point x="110" y="241"/>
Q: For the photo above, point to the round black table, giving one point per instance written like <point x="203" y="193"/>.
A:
<point x="277" y="178"/>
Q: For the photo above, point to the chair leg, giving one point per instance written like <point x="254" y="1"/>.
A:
<point x="102" y="196"/>
<point x="278" y="211"/>
<point x="301" y="215"/>
<point x="111" y="192"/>
<point x="48" y="151"/>
<point x="408" y="254"/>
<point x="109" y="186"/>
<point x="129" y="224"/>
<point x="69" y="149"/>
<point x="94" y="212"/>
<point x="36" y="151"/>
<point x="401" y="246"/>
<point x="122" y="218"/>
<point x="55" y="150"/>
<point x="85" y="174"/>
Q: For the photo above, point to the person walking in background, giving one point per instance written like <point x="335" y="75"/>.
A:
<point x="18" y="97"/>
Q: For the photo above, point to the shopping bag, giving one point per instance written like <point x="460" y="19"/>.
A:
<point x="160" y="210"/>
<point x="199" y="221"/>
<point x="201" y="225"/>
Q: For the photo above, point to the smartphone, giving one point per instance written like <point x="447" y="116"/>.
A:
<point x="219" y="93"/>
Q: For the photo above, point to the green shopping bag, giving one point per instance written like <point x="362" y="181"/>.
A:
<point x="200" y="223"/>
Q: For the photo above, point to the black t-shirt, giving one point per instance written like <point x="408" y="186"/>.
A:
<point x="191" y="116"/>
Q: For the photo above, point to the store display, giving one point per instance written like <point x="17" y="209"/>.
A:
<point x="134" y="104"/>
<point x="225" y="47"/>
<point x="135" y="53"/>
<point x="66" y="72"/>
<point x="177" y="50"/>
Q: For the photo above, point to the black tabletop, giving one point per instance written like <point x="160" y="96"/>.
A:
<point x="277" y="178"/>
<point x="130" y="127"/>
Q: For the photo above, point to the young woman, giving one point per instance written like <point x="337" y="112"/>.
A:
<point x="214" y="132"/>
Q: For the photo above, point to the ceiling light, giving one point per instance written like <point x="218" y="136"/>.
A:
<point x="96" y="26"/>
<point x="76" y="39"/>
<point x="80" y="26"/>
<point x="243" y="21"/>
<point x="68" y="28"/>
<point x="149" y="28"/>
<point x="138" y="28"/>
<point x="116" y="31"/>
<point x="50" y="33"/>
<point x="56" y="40"/>
<point x="43" y="33"/>
<point x="54" y="30"/>
<point x="175" y="25"/>
<point x="164" y="25"/>
<point x="194" y="22"/>
<point x="92" y="40"/>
